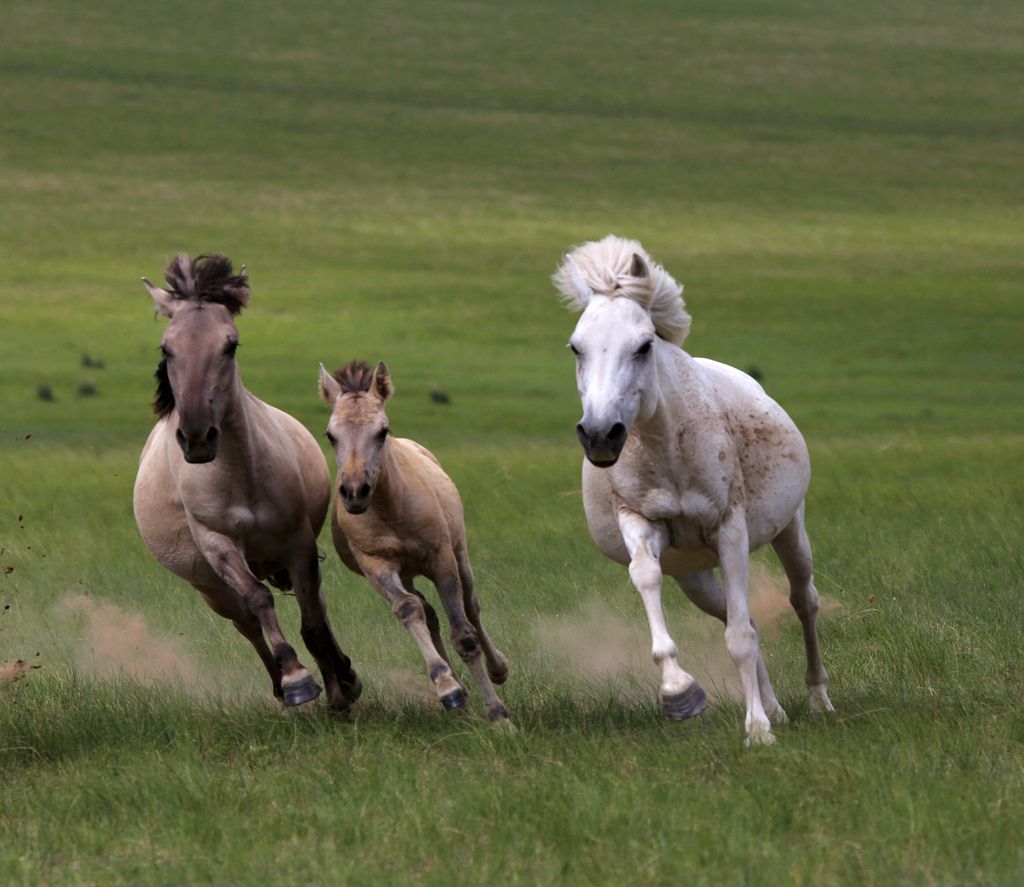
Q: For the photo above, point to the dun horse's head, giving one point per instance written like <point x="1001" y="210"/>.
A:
<point x="631" y="308"/>
<point x="198" y="378"/>
<point x="358" y="428"/>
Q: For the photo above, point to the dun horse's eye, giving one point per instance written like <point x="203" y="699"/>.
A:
<point x="383" y="433"/>
<point x="165" y="351"/>
<point x="644" y="350"/>
<point x="231" y="348"/>
<point x="331" y="439"/>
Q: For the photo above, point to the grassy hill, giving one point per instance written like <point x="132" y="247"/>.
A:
<point x="840" y="189"/>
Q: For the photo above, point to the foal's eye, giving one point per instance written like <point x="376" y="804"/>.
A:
<point x="231" y="348"/>
<point x="383" y="433"/>
<point x="165" y="351"/>
<point x="331" y="439"/>
<point x="644" y="349"/>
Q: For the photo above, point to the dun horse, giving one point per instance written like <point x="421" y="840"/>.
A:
<point x="397" y="515"/>
<point x="689" y="465"/>
<point x="232" y="491"/>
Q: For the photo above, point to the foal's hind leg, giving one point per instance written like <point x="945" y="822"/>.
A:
<point x="706" y="592"/>
<point x="794" y="551"/>
<point x="497" y="664"/>
<point x="224" y="601"/>
<point x="465" y="637"/>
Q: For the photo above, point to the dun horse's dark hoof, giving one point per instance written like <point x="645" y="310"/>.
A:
<point x="688" y="704"/>
<point x="353" y="687"/>
<point x="302" y="691"/>
<point x="455" y="699"/>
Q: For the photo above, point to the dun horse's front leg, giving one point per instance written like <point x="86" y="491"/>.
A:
<point x="343" y="684"/>
<point x="681" y="696"/>
<point x="740" y="635"/>
<point x="228" y="562"/>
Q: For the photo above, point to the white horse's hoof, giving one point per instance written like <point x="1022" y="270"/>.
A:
<point x="778" y="717"/>
<point x="688" y="704"/>
<point x="759" y="738"/>
<point x="819" y="702"/>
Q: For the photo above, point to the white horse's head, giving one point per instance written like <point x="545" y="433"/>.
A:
<point x="631" y="308"/>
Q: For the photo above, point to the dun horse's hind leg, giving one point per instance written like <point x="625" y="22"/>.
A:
<point x="706" y="592"/>
<point x="409" y="610"/>
<point x="297" y="684"/>
<point x="794" y="551"/>
<point x="681" y="696"/>
<point x="497" y="664"/>
<point x="343" y="684"/>
<point x="224" y="601"/>
<point x="464" y="635"/>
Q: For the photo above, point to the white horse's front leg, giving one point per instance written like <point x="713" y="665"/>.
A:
<point x="740" y="635"/>
<point x="681" y="696"/>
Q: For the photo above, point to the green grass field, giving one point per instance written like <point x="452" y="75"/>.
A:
<point x="839" y="186"/>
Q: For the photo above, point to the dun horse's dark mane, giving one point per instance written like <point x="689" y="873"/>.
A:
<point x="208" y="278"/>
<point x="354" y="377"/>
<point x="163" y="403"/>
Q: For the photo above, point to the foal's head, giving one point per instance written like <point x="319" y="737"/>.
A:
<point x="358" y="428"/>
<point x="631" y="308"/>
<point x="197" y="376"/>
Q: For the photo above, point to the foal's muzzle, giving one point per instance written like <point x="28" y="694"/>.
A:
<point x="602" y="448"/>
<point x="355" y="499"/>
<point x="199" y="447"/>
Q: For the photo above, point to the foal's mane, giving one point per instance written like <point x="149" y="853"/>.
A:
<point x="356" y="376"/>
<point x="607" y="268"/>
<point x="208" y="278"/>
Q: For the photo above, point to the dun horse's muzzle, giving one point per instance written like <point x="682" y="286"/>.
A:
<point x="602" y="448"/>
<point x="199" y="447"/>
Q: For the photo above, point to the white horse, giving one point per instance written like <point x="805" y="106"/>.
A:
<point x="689" y="465"/>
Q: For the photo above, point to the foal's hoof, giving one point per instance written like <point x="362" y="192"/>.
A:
<point x="688" y="704"/>
<point x="498" y="671"/>
<point x="304" y="690"/>
<point x="455" y="699"/>
<point x="497" y="712"/>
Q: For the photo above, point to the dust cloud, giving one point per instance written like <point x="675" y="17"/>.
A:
<point x="602" y="647"/>
<point x="12" y="671"/>
<point x="118" y="643"/>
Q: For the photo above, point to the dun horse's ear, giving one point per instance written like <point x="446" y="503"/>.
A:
<point x="163" y="300"/>
<point x="330" y="390"/>
<point x="638" y="268"/>
<point x="382" y="383"/>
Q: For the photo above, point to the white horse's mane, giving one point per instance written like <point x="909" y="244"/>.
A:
<point x="608" y="268"/>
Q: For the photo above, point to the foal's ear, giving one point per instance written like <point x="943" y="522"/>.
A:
<point x="638" y="267"/>
<point x="382" y="383"/>
<point x="163" y="300"/>
<point x="330" y="389"/>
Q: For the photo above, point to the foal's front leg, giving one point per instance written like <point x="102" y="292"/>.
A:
<point x="681" y="696"/>
<point x="740" y="635"/>
<point x="408" y="609"/>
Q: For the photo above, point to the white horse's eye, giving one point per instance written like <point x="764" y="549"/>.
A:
<point x="574" y="349"/>
<point x="644" y="349"/>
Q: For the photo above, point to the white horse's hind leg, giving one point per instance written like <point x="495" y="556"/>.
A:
<point x="794" y="551"/>
<point x="740" y="635"/>
<point x="681" y="696"/>
<point x="704" y="590"/>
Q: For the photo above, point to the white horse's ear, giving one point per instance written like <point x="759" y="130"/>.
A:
<point x="382" y="383"/>
<point x="638" y="267"/>
<point x="583" y="291"/>
<point x="163" y="300"/>
<point x="330" y="389"/>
